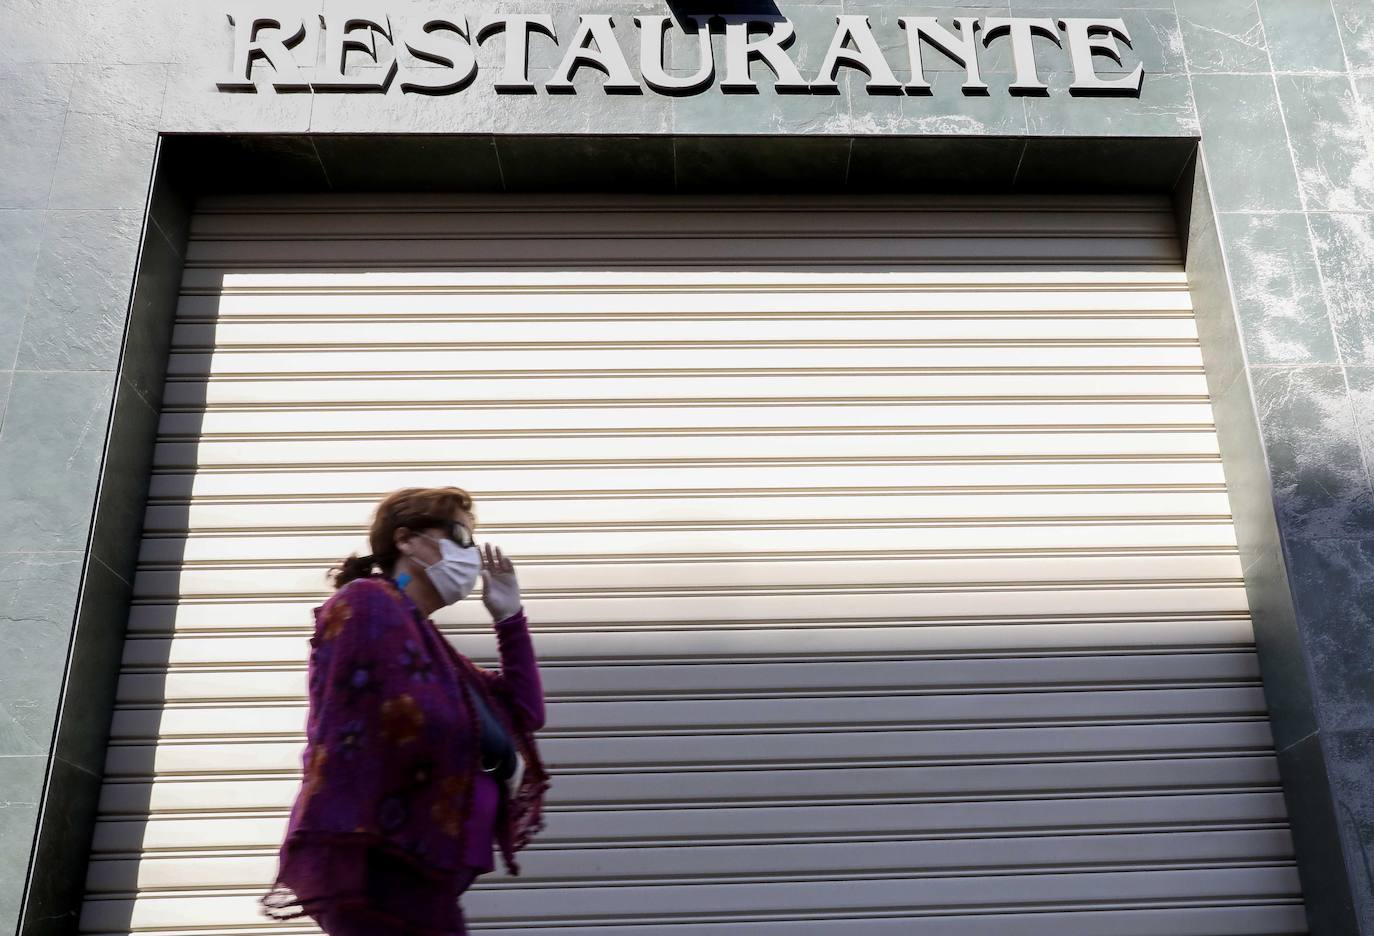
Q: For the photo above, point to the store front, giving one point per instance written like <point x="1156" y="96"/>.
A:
<point x="895" y="573"/>
<point x="865" y="397"/>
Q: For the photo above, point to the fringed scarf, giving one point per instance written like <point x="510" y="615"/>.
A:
<point x="391" y="752"/>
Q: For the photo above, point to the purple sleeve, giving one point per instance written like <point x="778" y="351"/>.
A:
<point x="518" y="677"/>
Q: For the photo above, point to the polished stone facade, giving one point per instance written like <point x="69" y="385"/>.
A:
<point x="1280" y="92"/>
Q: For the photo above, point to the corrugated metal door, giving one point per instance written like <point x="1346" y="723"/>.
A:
<point x="878" y="554"/>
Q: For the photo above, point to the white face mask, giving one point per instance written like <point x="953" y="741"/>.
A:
<point x="455" y="574"/>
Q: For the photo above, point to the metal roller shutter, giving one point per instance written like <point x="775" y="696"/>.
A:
<point x="878" y="554"/>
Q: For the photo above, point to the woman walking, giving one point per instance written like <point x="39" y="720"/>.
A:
<point x="413" y="755"/>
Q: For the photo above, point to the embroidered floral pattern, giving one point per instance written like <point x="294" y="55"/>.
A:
<point x="422" y="774"/>
<point x="349" y="738"/>
<point x="416" y="662"/>
<point x="401" y="720"/>
<point x="392" y="813"/>
<point x="335" y="617"/>
<point x="448" y="805"/>
<point x="314" y="772"/>
<point x="358" y="684"/>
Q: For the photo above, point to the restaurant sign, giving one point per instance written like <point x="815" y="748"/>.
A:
<point x="364" y="49"/>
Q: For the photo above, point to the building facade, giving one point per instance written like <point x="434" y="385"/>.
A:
<point x="1015" y="361"/>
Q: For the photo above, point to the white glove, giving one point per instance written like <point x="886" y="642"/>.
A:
<point x="500" y="590"/>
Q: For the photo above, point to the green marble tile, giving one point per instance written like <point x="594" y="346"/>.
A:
<point x="1355" y="21"/>
<point x="1081" y="7"/>
<point x="109" y="137"/>
<point x="765" y="113"/>
<point x="1244" y="145"/>
<point x="868" y="113"/>
<point x="1332" y="144"/>
<point x="192" y="104"/>
<point x="6" y="379"/>
<point x="21" y="785"/>
<point x="994" y="58"/>
<point x="21" y="236"/>
<point x="1364" y="102"/>
<point x="1322" y="868"/>
<point x="1222" y="35"/>
<point x="50" y="449"/>
<point x="1302" y="35"/>
<point x="1333" y="593"/>
<point x="947" y="110"/>
<point x="33" y="110"/>
<point x="814" y="25"/>
<point x="1321" y="485"/>
<point x="1278" y="289"/>
<point x="1344" y="243"/>
<point x="1349" y="752"/>
<point x="546" y="54"/>
<point x="1361" y="383"/>
<point x="80" y="296"/>
<point x="1156" y="37"/>
<point x="97" y="31"/>
<point x="1165" y="108"/>
<point x="37" y="610"/>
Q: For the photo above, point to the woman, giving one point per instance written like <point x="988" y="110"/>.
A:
<point x="410" y="755"/>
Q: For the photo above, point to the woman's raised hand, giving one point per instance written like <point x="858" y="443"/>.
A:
<point x="500" y="590"/>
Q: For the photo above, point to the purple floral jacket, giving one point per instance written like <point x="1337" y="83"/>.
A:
<point x="391" y="754"/>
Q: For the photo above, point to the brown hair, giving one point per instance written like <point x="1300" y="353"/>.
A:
<point x="414" y="508"/>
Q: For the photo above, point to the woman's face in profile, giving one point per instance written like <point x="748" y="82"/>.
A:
<point x="424" y="547"/>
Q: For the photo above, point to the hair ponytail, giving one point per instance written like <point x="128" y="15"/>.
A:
<point x="354" y="567"/>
